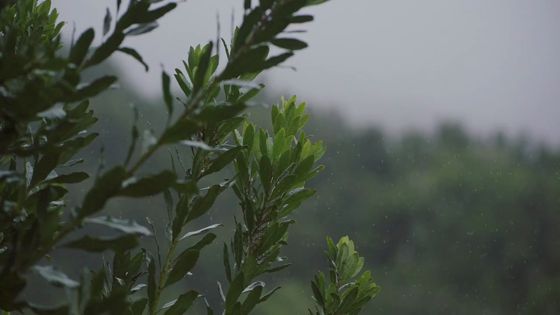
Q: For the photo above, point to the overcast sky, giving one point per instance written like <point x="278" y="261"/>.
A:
<point x="492" y="64"/>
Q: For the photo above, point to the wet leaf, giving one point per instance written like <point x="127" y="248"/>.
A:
<point x="182" y="304"/>
<point x="126" y="226"/>
<point x="184" y="263"/>
<point x="55" y="277"/>
<point x="200" y="231"/>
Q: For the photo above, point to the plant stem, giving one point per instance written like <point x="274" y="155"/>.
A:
<point x="164" y="274"/>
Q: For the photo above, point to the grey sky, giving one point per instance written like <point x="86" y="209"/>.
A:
<point x="492" y="64"/>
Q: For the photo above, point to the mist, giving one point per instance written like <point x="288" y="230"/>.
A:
<point x="489" y="65"/>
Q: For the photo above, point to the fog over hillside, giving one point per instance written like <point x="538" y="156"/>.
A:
<point x="400" y="64"/>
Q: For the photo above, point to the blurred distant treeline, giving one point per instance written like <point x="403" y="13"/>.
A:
<point x="449" y="223"/>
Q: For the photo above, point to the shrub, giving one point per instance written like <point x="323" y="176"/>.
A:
<point x="44" y="118"/>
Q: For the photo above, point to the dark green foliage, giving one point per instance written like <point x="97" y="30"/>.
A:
<point x="44" y="122"/>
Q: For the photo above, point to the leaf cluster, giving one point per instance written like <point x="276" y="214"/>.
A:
<point x="44" y="120"/>
<point x="271" y="177"/>
<point x="346" y="289"/>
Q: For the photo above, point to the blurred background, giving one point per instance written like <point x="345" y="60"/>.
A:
<point x="441" y="123"/>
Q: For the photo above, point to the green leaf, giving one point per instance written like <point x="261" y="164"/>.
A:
<point x="134" y="135"/>
<point x="348" y="300"/>
<point x="250" y="62"/>
<point x="202" y="68"/>
<point x="181" y="130"/>
<point x="43" y="168"/>
<point x="265" y="172"/>
<point x="55" y="277"/>
<point x="71" y="178"/>
<point x="276" y="60"/>
<point x="107" y="22"/>
<point x="227" y="265"/>
<point x="142" y="29"/>
<point x="81" y="47"/>
<point x="71" y="147"/>
<point x="92" y="89"/>
<point x="263" y="142"/>
<point x="183" y="83"/>
<point x="202" y="204"/>
<point x="213" y="115"/>
<point x="106" y="49"/>
<point x="149" y="16"/>
<point x="183" y="264"/>
<point x="228" y="126"/>
<point x="93" y="244"/>
<point x="301" y="19"/>
<point x="234" y="291"/>
<point x="138" y="306"/>
<point x="249" y="136"/>
<point x="134" y="54"/>
<point x="181" y="211"/>
<point x="167" y="97"/>
<point x="294" y="200"/>
<point x="126" y="226"/>
<point x="289" y="43"/>
<point x="304" y="167"/>
<point x="269" y="294"/>
<point x="223" y="160"/>
<point x="152" y="285"/>
<point x="182" y="304"/>
<point x="314" y="2"/>
<point x="253" y="298"/>
<point x="205" y="241"/>
<point x="106" y="186"/>
<point x="149" y="185"/>
<point x="280" y="144"/>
